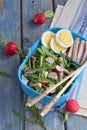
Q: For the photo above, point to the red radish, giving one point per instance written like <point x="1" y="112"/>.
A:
<point x="39" y="18"/>
<point x="52" y="75"/>
<point x="11" y="48"/>
<point x="71" y="106"/>
<point x="59" y="68"/>
<point x="32" y="58"/>
<point x="26" y="70"/>
<point x="44" y="83"/>
<point x="49" y="59"/>
<point x="28" y="83"/>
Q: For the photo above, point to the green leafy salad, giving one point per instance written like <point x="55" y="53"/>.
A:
<point x="44" y="69"/>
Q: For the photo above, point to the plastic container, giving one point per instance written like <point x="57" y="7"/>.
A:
<point x="32" y="93"/>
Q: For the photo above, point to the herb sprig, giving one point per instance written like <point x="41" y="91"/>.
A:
<point x="36" y="114"/>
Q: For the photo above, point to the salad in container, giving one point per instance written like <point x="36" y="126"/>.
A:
<point x="54" y="56"/>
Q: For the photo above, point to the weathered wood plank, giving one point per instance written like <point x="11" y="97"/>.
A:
<point x="10" y="92"/>
<point x="31" y="32"/>
<point x="76" y="123"/>
<point x="53" y="121"/>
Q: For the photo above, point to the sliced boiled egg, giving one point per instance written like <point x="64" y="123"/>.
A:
<point x="56" y="47"/>
<point x="46" y="38"/>
<point x="64" y="38"/>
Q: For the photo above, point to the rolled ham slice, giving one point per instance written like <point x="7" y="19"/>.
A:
<point x="84" y="55"/>
<point x="69" y="53"/>
<point x="80" y="51"/>
<point x="75" y="49"/>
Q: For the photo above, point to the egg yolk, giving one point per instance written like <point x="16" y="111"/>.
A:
<point x="57" y="47"/>
<point x="65" y="37"/>
<point x="48" y="37"/>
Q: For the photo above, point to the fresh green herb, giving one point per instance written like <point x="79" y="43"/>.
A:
<point x="5" y="74"/>
<point x="36" y="114"/>
<point x="41" y="67"/>
<point x="22" y="117"/>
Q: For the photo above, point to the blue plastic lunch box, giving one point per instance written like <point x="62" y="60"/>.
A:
<point x="74" y="89"/>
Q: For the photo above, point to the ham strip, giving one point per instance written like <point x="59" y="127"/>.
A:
<point x="75" y="49"/>
<point x="84" y="56"/>
<point x="80" y="51"/>
<point x="69" y="53"/>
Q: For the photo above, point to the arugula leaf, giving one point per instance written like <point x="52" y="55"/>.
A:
<point x="36" y="114"/>
<point x="5" y="74"/>
<point x="22" y="117"/>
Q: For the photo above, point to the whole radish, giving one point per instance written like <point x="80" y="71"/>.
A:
<point x="72" y="106"/>
<point x="11" y="48"/>
<point x="40" y="18"/>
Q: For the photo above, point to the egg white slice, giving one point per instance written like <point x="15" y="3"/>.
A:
<point x="54" y="44"/>
<point x="62" y="43"/>
<point x="46" y="38"/>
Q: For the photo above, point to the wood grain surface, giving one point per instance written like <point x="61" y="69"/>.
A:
<point x="10" y="90"/>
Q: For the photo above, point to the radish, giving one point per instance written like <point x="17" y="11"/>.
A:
<point x="72" y="106"/>
<point x="44" y="83"/>
<point x="52" y="75"/>
<point x="40" y="18"/>
<point x="33" y="58"/>
<point x="59" y="68"/>
<point x="11" y="48"/>
<point x="26" y="70"/>
<point x="50" y="60"/>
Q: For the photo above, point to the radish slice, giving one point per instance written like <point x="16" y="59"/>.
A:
<point x="49" y="60"/>
<point x="44" y="83"/>
<point x="26" y="69"/>
<point x="32" y="58"/>
<point x="52" y="75"/>
<point x="59" y="68"/>
<point x="25" y="80"/>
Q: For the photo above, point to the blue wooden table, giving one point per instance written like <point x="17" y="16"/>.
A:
<point x="16" y="22"/>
